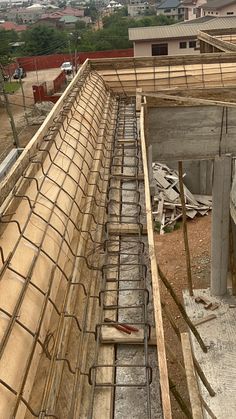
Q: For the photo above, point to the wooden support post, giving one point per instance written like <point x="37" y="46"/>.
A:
<point x="209" y="411"/>
<point x="196" y="364"/>
<point x="185" y="231"/>
<point x="179" y="400"/>
<point x="171" y="320"/>
<point x="203" y="377"/>
<point x="193" y="388"/>
<point x="182" y="310"/>
<point x="231" y="258"/>
<point x="161" y="351"/>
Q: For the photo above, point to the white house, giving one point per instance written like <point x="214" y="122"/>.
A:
<point x="219" y="8"/>
<point x="193" y="9"/>
<point x="175" y="39"/>
<point x="138" y="7"/>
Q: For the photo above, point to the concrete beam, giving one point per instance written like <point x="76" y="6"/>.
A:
<point x="220" y="224"/>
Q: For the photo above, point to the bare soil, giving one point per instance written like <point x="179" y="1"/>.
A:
<point x="16" y="104"/>
<point x="171" y="258"/>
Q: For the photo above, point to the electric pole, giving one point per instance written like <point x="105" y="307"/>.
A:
<point x="8" y="109"/>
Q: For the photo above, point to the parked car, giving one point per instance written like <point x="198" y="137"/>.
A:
<point x="67" y="67"/>
<point x="19" y="73"/>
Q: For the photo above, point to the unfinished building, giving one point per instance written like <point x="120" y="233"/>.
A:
<point x="81" y="312"/>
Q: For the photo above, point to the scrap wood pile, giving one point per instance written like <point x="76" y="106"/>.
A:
<point x="167" y="208"/>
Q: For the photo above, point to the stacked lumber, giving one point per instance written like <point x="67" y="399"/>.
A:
<point x="167" y="209"/>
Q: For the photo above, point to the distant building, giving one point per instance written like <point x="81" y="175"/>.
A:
<point x="62" y="18"/>
<point x="8" y="26"/>
<point x="175" y="39"/>
<point x="172" y="9"/>
<point x="219" y="8"/>
<point x="113" y="6"/>
<point x="24" y="14"/>
<point x="138" y="7"/>
<point x="193" y="9"/>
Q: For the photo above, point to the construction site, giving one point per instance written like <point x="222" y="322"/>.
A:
<point x="82" y="307"/>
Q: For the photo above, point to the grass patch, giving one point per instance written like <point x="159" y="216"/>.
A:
<point x="11" y="86"/>
<point x="168" y="228"/>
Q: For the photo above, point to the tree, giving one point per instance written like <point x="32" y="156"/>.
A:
<point x="5" y="48"/>
<point x="62" y="4"/>
<point x="42" y="40"/>
<point x="91" y="11"/>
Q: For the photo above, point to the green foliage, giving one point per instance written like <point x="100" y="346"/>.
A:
<point x="5" y="48"/>
<point x="91" y="10"/>
<point x="157" y="226"/>
<point x="62" y="4"/>
<point x="42" y="40"/>
<point x="11" y="86"/>
<point x="80" y="25"/>
<point x="177" y="225"/>
<point x="168" y="228"/>
<point x="114" y="34"/>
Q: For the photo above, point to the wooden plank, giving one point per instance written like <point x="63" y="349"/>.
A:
<point x="125" y="62"/>
<point x="124" y="141"/>
<point x="112" y="335"/>
<point x="192" y="383"/>
<point x="204" y="319"/>
<point x="164" y="381"/>
<point x="115" y="336"/>
<point x="131" y="228"/>
<point x="204" y="199"/>
<point x="191" y="213"/>
<point x="160" y="178"/>
<point x="127" y="177"/>
<point x="190" y="100"/>
<point x="160" y="207"/>
<point x="171" y="194"/>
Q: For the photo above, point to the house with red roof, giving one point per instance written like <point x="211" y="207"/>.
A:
<point x="9" y="26"/>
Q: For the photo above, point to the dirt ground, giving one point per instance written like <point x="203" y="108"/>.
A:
<point x="171" y="258"/>
<point x="16" y="103"/>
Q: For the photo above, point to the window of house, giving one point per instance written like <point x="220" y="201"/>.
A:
<point x="183" y="45"/>
<point x="230" y="13"/>
<point x="194" y="11"/>
<point x="192" y="44"/>
<point x="159" y="49"/>
<point x="167" y="10"/>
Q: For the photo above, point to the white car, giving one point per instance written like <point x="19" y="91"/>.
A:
<point x="67" y="67"/>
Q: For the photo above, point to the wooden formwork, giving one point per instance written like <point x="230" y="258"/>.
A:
<point x="52" y="220"/>
<point x="158" y="73"/>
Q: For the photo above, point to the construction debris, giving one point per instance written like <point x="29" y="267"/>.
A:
<point x="37" y="114"/>
<point x="208" y="305"/>
<point x="205" y="319"/>
<point x="167" y="207"/>
<point x="126" y="328"/>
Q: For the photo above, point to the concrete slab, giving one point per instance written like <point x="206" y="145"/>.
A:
<point x="219" y="363"/>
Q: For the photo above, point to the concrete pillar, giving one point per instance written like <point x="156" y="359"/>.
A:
<point x="220" y="224"/>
